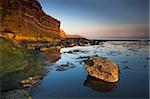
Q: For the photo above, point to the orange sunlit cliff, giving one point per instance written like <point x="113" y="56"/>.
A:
<point x="25" y="20"/>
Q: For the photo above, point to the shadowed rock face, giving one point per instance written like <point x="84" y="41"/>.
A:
<point x="27" y="21"/>
<point x="102" y="68"/>
<point x="99" y="85"/>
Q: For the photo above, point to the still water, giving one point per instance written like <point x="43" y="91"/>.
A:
<point x="68" y="79"/>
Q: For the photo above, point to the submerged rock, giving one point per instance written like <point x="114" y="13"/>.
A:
<point x="75" y="51"/>
<point x="31" y="81"/>
<point x="64" y="67"/>
<point x="102" y="68"/>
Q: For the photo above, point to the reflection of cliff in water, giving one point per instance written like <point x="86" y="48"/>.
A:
<point x="12" y="80"/>
<point x="36" y="67"/>
<point x="99" y="85"/>
<point x="53" y="54"/>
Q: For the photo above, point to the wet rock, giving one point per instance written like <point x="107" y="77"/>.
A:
<point x="147" y="58"/>
<point x="125" y="64"/>
<point x="146" y="66"/>
<point x="102" y="68"/>
<point x="31" y="81"/>
<point x="99" y="85"/>
<point x="76" y="51"/>
<point x="64" y="67"/>
<point x="15" y="94"/>
<point x="26" y="85"/>
<point x="83" y="57"/>
<point x="126" y="67"/>
<point x="89" y="63"/>
<point x="26" y="81"/>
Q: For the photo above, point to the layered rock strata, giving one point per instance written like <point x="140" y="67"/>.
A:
<point x="25" y="20"/>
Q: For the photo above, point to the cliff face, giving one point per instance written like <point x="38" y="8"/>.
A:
<point x="25" y="20"/>
<point x="62" y="34"/>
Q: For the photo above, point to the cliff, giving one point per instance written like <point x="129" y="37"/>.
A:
<point x="62" y="34"/>
<point x="25" y="20"/>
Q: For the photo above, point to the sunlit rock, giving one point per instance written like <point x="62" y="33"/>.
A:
<point x="31" y="81"/>
<point x="62" y="34"/>
<point x="27" y="20"/>
<point x="102" y="68"/>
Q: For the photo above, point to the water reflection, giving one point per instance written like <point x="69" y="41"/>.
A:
<point x="99" y="85"/>
<point x="52" y="55"/>
<point x="37" y="66"/>
<point x="11" y="80"/>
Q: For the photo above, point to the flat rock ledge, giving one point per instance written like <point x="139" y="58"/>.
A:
<point x="101" y="68"/>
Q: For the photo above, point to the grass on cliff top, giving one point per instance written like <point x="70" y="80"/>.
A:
<point x="12" y="57"/>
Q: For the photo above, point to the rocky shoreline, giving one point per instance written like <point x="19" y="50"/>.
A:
<point x="32" y="80"/>
<point x="33" y="48"/>
<point x="68" y="42"/>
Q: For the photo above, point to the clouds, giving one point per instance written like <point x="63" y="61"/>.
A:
<point x="116" y="17"/>
<point x="118" y="30"/>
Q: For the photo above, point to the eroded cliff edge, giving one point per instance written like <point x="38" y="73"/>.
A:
<point x="25" y="20"/>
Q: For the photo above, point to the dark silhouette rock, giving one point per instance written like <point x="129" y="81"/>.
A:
<point x="99" y="85"/>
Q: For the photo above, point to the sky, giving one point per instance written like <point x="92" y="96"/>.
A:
<point x="100" y="18"/>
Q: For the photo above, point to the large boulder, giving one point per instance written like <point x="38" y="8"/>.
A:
<point x="102" y="68"/>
